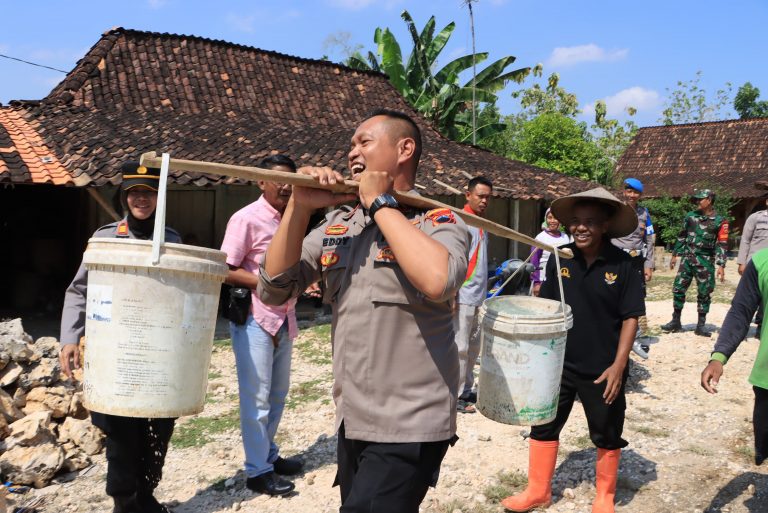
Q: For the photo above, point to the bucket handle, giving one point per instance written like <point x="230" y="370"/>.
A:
<point x="158" y="237"/>
<point x="560" y="283"/>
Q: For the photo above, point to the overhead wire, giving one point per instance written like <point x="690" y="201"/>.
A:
<point x="33" y="63"/>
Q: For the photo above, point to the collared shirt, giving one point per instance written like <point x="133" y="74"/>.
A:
<point x="73" y="313"/>
<point x="601" y="297"/>
<point x="703" y="235"/>
<point x="754" y="237"/>
<point x="395" y="363"/>
<point x="249" y="232"/>
<point x="639" y="243"/>
<point x="475" y="287"/>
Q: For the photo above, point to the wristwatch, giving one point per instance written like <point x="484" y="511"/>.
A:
<point x="385" y="200"/>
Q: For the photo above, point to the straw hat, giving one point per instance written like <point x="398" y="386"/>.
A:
<point x="621" y="223"/>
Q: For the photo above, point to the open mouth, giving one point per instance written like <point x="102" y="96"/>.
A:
<point x="356" y="168"/>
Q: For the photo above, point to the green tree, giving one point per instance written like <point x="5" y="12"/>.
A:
<point x="551" y="99"/>
<point x="689" y="103"/>
<point x="558" y="142"/>
<point x="440" y="96"/>
<point x="746" y="104"/>
<point x="612" y="139"/>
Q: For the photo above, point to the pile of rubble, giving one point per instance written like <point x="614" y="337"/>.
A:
<point x="44" y="427"/>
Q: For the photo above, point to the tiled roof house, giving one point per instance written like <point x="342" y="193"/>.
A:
<point x="731" y="156"/>
<point x="212" y="100"/>
<point x="208" y="100"/>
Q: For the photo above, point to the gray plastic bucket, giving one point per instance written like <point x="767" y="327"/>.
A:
<point x="521" y="360"/>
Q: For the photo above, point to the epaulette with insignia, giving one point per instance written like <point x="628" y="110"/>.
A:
<point x="122" y="229"/>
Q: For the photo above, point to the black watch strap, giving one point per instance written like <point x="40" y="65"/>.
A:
<point x="385" y="200"/>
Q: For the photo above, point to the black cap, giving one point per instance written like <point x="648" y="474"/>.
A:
<point x="135" y="175"/>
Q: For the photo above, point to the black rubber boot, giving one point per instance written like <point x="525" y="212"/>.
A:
<point x="700" y="326"/>
<point x="674" y="325"/>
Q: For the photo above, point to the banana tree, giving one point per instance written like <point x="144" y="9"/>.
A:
<point x="439" y="96"/>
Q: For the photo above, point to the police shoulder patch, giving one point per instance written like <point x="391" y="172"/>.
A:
<point x="122" y="229"/>
<point x="440" y="216"/>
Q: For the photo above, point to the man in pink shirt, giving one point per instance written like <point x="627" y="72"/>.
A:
<point x="262" y="345"/>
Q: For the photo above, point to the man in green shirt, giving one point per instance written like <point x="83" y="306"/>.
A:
<point x="752" y="289"/>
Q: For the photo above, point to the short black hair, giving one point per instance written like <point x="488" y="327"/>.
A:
<point x="479" y="180"/>
<point x="411" y="129"/>
<point x="273" y="161"/>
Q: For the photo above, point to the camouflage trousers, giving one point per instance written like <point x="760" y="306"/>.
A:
<point x="703" y="269"/>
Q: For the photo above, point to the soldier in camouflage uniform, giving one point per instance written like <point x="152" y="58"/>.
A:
<point x="702" y="243"/>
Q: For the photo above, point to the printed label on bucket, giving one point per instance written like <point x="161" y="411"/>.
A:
<point x="99" y="303"/>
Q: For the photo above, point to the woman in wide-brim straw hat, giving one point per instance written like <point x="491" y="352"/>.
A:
<point x="604" y="291"/>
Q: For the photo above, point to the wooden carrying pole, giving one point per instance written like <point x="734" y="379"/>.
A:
<point x="254" y="174"/>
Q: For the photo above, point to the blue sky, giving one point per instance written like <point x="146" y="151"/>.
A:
<point x="625" y="52"/>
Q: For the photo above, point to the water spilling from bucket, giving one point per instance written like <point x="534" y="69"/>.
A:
<point x="149" y="328"/>
<point x="521" y="360"/>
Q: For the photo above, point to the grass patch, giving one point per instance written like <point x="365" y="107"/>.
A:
<point x="199" y="431"/>
<point x="508" y="484"/>
<point x="701" y="451"/>
<point x="465" y="507"/>
<point x="583" y="442"/>
<point x="651" y="431"/>
<point x="214" y="375"/>
<point x="307" y="392"/>
<point x="314" y="345"/>
<point x="660" y="289"/>
<point x="222" y="343"/>
<point x="746" y="452"/>
<point x="218" y="484"/>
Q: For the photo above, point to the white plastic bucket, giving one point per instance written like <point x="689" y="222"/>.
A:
<point x="523" y="346"/>
<point x="149" y="328"/>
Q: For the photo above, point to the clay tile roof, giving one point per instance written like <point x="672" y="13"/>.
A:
<point x="212" y="100"/>
<point x="24" y="157"/>
<point x="676" y="159"/>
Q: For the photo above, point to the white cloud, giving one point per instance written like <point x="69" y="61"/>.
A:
<point x="570" y="55"/>
<point x="638" y="97"/>
<point x="241" y="23"/>
<point x="156" y="4"/>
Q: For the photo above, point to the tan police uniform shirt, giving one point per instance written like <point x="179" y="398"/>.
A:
<point x="395" y="364"/>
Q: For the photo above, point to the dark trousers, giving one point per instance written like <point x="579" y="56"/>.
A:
<point x="760" y="424"/>
<point x="605" y="421"/>
<point x="386" y="477"/>
<point x="136" y="450"/>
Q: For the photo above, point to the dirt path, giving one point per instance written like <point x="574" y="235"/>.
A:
<point x="688" y="452"/>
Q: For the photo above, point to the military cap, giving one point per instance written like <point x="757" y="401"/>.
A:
<point x="136" y="175"/>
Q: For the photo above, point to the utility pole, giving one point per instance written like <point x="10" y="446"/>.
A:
<point x="469" y="3"/>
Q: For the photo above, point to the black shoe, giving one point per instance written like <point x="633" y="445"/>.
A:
<point x="269" y="484"/>
<point x="125" y="504"/>
<point x="700" y="331"/>
<point x="672" y="326"/>
<point x="288" y="466"/>
<point x="148" y="504"/>
<point x="469" y="397"/>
